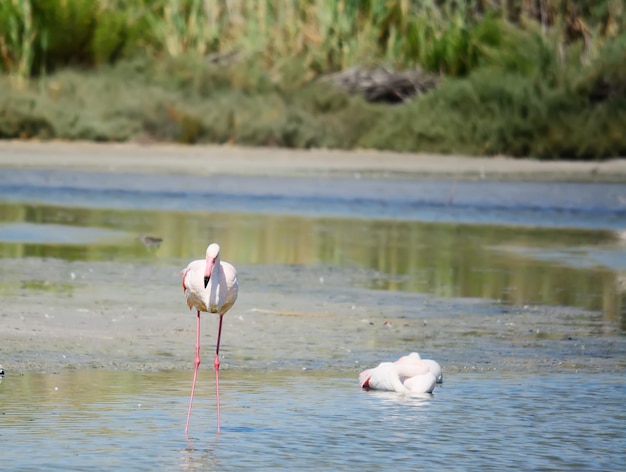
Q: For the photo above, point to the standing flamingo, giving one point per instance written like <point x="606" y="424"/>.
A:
<point x="211" y="286"/>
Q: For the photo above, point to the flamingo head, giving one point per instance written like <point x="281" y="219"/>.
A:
<point x="212" y="253"/>
<point x="364" y="379"/>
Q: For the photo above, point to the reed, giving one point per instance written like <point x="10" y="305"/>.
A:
<point x="16" y="44"/>
<point x="448" y="36"/>
<point x="519" y="77"/>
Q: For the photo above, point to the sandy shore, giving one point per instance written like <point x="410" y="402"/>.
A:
<point x="228" y="160"/>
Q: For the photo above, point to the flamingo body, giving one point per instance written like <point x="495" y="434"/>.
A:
<point x="409" y="374"/>
<point x="218" y="296"/>
<point x="210" y="285"/>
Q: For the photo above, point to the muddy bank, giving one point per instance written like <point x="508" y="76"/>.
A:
<point x="60" y="315"/>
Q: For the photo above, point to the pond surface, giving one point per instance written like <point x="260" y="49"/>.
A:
<point x="516" y="242"/>
<point x="518" y="288"/>
<point x="299" y="420"/>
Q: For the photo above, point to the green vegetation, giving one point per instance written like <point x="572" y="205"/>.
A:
<point x="543" y="78"/>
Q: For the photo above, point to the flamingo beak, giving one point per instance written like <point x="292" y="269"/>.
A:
<point x="206" y="280"/>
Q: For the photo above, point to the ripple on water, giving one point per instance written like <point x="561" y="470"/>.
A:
<point x="298" y="420"/>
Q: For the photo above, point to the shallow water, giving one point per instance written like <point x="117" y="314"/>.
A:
<point x="574" y="205"/>
<point x="310" y="420"/>
<point x="517" y="288"/>
<point x="513" y="264"/>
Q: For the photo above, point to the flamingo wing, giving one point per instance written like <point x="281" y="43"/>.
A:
<point x="193" y="283"/>
<point x="424" y="383"/>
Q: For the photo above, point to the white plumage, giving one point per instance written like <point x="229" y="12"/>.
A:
<point x="220" y="293"/>
<point x="210" y="285"/>
<point x="409" y="374"/>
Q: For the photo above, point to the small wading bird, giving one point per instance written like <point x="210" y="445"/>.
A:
<point x="210" y="285"/>
<point x="150" y="242"/>
<point x="409" y="374"/>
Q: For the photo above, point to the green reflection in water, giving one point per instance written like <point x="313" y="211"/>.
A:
<point x="449" y="260"/>
<point x="27" y="394"/>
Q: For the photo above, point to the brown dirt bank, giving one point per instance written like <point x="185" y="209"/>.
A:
<point x="206" y="160"/>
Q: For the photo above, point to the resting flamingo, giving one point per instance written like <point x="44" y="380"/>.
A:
<point x="210" y="285"/>
<point x="409" y="374"/>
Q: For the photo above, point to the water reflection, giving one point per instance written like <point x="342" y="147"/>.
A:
<point x="92" y="419"/>
<point x="582" y="268"/>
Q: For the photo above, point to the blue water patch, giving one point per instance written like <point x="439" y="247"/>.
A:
<point x="290" y="421"/>
<point x="552" y="204"/>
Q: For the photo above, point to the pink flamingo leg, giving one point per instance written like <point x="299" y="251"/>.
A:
<point x="216" y="363"/>
<point x="195" y="372"/>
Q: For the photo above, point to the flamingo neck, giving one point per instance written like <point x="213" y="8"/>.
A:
<point x="213" y="272"/>
<point x="217" y="269"/>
